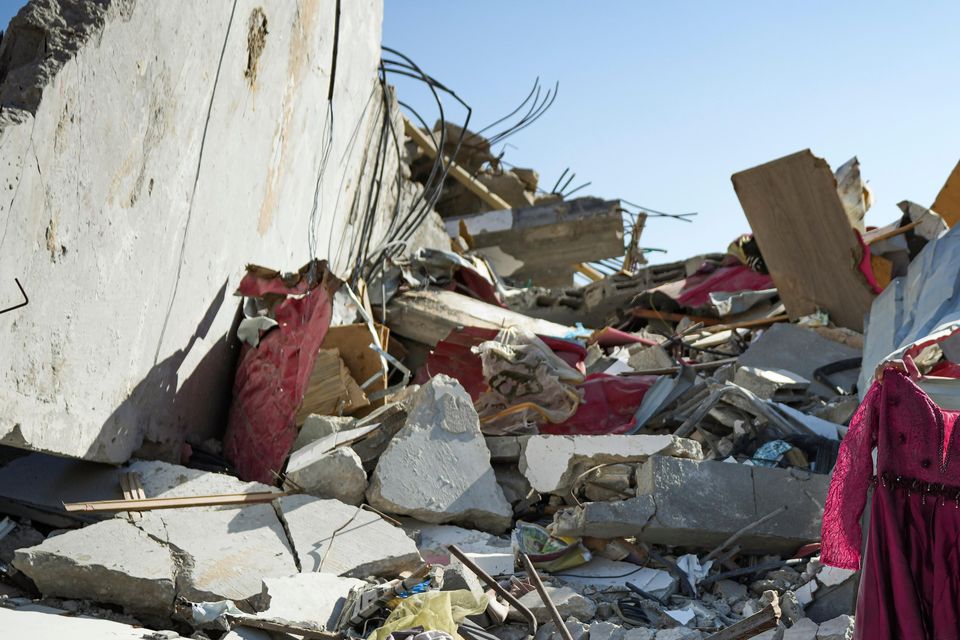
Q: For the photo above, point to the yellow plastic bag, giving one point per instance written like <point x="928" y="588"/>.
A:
<point x="434" y="611"/>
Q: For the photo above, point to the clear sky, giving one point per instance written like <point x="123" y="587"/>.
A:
<point x="660" y="102"/>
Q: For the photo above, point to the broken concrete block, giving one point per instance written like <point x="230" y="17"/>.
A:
<point x="679" y="633"/>
<point x="505" y="448"/>
<point x="553" y="463"/>
<point x="317" y="426"/>
<point x="332" y="537"/>
<point x="767" y="383"/>
<point x="165" y="480"/>
<point x="702" y="503"/>
<point x="567" y="601"/>
<point x="640" y="633"/>
<point x="415" y="475"/>
<point x="335" y="474"/>
<point x="310" y="600"/>
<point x="514" y="484"/>
<point x="606" y="631"/>
<point x="457" y="577"/>
<point x="729" y="590"/>
<point x="578" y="630"/>
<point x="433" y="540"/>
<point x="22" y="535"/>
<point x="494" y="564"/>
<point x="649" y="358"/>
<point x="112" y="561"/>
<point x="805" y="629"/>
<point x="613" y="482"/>
<point x="840" y="628"/>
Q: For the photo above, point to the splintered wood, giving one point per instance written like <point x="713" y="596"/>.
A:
<point x="331" y="391"/>
<point x="805" y="237"/>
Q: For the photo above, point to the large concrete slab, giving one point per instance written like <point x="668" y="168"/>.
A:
<point x="685" y="502"/>
<point x="553" y="463"/>
<point x="149" y="154"/>
<point x="332" y="537"/>
<point x="34" y="624"/>
<point x="111" y="561"/>
<point x="437" y="468"/>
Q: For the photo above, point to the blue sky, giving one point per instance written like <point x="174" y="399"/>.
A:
<point x="660" y="102"/>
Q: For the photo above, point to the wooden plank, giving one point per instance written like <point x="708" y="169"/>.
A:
<point x="148" y="504"/>
<point x="764" y="620"/>
<point x="353" y="342"/>
<point x="331" y="389"/>
<point x="947" y="203"/>
<point x="806" y="239"/>
<point x="457" y="172"/>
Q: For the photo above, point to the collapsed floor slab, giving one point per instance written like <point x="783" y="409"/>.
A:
<point x="685" y="502"/>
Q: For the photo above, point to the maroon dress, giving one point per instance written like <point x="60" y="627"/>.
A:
<point x="910" y="580"/>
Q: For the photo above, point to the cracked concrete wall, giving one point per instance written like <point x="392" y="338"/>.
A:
<point x="148" y="151"/>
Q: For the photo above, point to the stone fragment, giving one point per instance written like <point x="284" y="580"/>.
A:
<point x="334" y="474"/>
<point x="111" y="561"/>
<point x="596" y="575"/>
<point x="679" y="633"/>
<point x="514" y="484"/>
<point x="840" y="628"/>
<point x="567" y="601"/>
<point x="457" y="577"/>
<point x="729" y="590"/>
<point x="640" y="633"/>
<point x="332" y="537"/>
<point x="505" y="448"/>
<point x="493" y="564"/>
<point x="437" y="467"/>
<point x="553" y="463"/>
<point x="606" y="631"/>
<point x="548" y="631"/>
<point x="433" y="540"/>
<point x="832" y="576"/>
<point x="805" y="592"/>
<point x="805" y="629"/>
<point x="317" y="426"/>
<point x="649" y="358"/>
<point x="510" y="631"/>
<point x="771" y="634"/>
<point x="310" y="600"/>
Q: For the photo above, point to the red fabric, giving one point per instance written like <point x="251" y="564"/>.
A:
<point x="945" y="369"/>
<point x="271" y="380"/>
<point x="609" y="405"/>
<point x="910" y="587"/>
<point x="696" y="289"/>
<point x="478" y="287"/>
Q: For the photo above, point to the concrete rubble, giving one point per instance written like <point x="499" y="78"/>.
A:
<point x="470" y="372"/>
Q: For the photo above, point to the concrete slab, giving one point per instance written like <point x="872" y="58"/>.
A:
<point x="433" y="540"/>
<point x="437" y="468"/>
<point x="32" y="624"/>
<point x="337" y="538"/>
<point x="553" y="463"/>
<point x="602" y="573"/>
<point x="568" y="602"/>
<point x="225" y="551"/>
<point x="309" y="600"/>
<point x="111" y="561"/>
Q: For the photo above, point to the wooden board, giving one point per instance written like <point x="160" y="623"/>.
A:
<point x="805" y="237"/>
<point x="353" y="342"/>
<point x="947" y="203"/>
<point x="331" y="391"/>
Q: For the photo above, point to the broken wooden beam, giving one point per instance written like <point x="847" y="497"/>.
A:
<point x="148" y="504"/>
<point x="805" y="236"/>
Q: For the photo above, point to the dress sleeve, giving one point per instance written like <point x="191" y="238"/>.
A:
<point x="840" y="535"/>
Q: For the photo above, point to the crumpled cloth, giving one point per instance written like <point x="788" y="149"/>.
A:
<point x="528" y="384"/>
<point x="432" y="611"/>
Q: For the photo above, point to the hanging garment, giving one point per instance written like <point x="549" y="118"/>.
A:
<point x="910" y="580"/>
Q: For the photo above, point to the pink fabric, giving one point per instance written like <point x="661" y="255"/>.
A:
<point x="910" y="585"/>
<point x="866" y="267"/>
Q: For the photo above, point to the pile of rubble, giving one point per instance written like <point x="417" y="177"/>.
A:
<point x="458" y="440"/>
